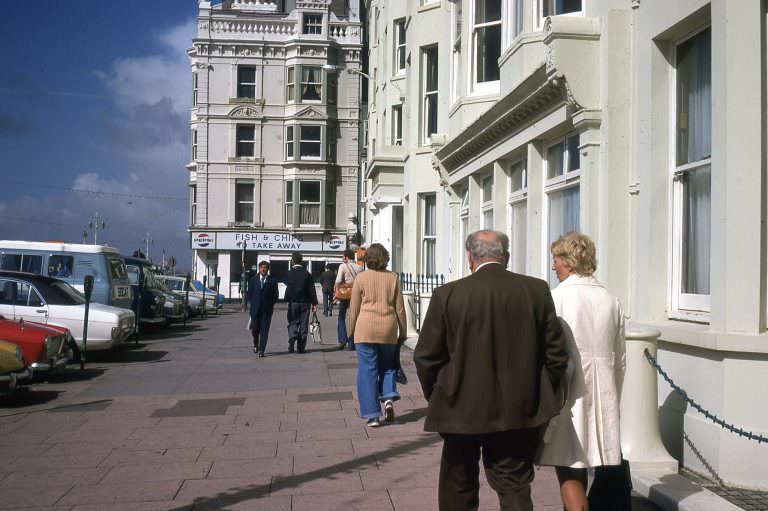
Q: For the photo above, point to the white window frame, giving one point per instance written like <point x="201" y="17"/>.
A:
<point x="193" y="204"/>
<point x="540" y="12"/>
<point x="194" y="145"/>
<point x="399" y="46"/>
<point x="515" y="198"/>
<point x="456" y="27"/>
<point x="463" y="232"/>
<point x="243" y="203"/>
<point x="427" y="94"/>
<point x="290" y="142"/>
<point x="290" y="84"/>
<point x="486" y="206"/>
<point x="309" y="25"/>
<point x="330" y="204"/>
<point x="289" y="201"/>
<point x="318" y="204"/>
<point x="514" y="13"/>
<point x="428" y="239"/>
<point x="559" y="182"/>
<point x="302" y="140"/>
<point x="488" y="86"/>
<point x="242" y="83"/>
<point x="238" y="140"/>
<point x="688" y="306"/>
<point x="397" y="125"/>
<point x="313" y="84"/>
<point x="195" y="78"/>
<point x="331" y="137"/>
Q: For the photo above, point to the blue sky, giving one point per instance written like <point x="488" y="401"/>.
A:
<point x="95" y="96"/>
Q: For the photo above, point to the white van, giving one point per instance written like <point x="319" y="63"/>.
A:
<point x="71" y="262"/>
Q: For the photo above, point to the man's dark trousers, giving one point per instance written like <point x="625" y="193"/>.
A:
<point x="298" y="326"/>
<point x="263" y="295"/>
<point x="260" y="330"/>
<point x="508" y="461"/>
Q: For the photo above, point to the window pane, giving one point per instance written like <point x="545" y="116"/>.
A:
<point x="563" y="217"/>
<point x="310" y="141"/>
<point x="309" y="191"/>
<point x="431" y="114"/>
<point x="244" y="212"/>
<point x="488" y="51"/>
<point x="694" y="100"/>
<point x="11" y="262"/>
<point x="431" y="78"/>
<point x="488" y="219"/>
<point x="488" y="189"/>
<point x="430" y="267"/>
<point x="246" y="82"/>
<point x="32" y="264"/>
<point x="289" y="191"/>
<point x="289" y="214"/>
<point x="517" y="234"/>
<point x="696" y="231"/>
<point x="244" y="192"/>
<point x="430" y="215"/>
<point x="60" y="266"/>
<point x="555" y="160"/>
<point x="291" y="85"/>
<point x="311" y="83"/>
<point x="573" y="153"/>
<point x="309" y="214"/>
<point x="245" y="143"/>
<point x="555" y="7"/>
<point x="517" y="177"/>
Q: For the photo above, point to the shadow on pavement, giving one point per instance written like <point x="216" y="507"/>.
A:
<point x="412" y="416"/>
<point x="74" y="373"/>
<point x="23" y="396"/>
<point x="126" y="356"/>
<point x="228" y="498"/>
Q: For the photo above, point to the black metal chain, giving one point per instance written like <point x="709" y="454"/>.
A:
<point x="706" y="413"/>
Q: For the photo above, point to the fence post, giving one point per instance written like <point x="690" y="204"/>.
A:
<point x="640" y="438"/>
<point x="409" y="303"/>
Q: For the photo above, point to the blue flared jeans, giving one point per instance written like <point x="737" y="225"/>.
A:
<point x="376" y="372"/>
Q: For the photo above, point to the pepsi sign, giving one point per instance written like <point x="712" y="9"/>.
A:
<point x="203" y="240"/>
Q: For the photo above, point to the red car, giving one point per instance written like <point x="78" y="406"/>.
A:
<point x="44" y="347"/>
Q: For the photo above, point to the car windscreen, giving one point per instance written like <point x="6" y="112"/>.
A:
<point x="57" y="292"/>
<point x="176" y="285"/>
<point x="116" y="268"/>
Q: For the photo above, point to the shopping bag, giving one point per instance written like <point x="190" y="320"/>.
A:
<point x="315" y="330"/>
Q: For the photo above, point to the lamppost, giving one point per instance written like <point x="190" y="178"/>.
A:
<point x="147" y="242"/>
<point x="95" y="224"/>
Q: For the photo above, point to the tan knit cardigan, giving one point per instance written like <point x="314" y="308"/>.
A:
<point x="376" y="311"/>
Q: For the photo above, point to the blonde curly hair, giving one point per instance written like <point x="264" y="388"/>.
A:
<point x="578" y="252"/>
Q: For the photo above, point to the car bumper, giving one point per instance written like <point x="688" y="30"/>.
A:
<point x="14" y="378"/>
<point x="50" y="364"/>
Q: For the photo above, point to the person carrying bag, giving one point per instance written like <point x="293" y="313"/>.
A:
<point x="345" y="278"/>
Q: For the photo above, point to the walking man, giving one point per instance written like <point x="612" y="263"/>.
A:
<point x="263" y="295"/>
<point x="490" y="356"/>
<point x="302" y="298"/>
<point x="327" y="279"/>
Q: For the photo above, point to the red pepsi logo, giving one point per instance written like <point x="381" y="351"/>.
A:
<point x="335" y="242"/>
<point x="203" y="240"/>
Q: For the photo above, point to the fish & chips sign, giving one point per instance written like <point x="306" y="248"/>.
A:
<point x="268" y="241"/>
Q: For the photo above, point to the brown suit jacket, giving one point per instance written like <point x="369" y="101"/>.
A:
<point x="490" y="354"/>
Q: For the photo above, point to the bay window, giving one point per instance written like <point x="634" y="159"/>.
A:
<point x="691" y="174"/>
<point x="309" y="203"/>
<point x="288" y="200"/>
<point x="311" y="83"/>
<point x="310" y="142"/>
<point x="486" y="206"/>
<point x="289" y="154"/>
<point x="290" y="84"/>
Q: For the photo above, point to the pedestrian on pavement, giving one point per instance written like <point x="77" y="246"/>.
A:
<point x="327" y="281"/>
<point x="377" y="321"/>
<point x="586" y="433"/>
<point x="489" y="358"/>
<point x="346" y="274"/>
<point x="263" y="295"/>
<point x="302" y="299"/>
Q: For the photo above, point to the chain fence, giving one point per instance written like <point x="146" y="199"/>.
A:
<point x="706" y="413"/>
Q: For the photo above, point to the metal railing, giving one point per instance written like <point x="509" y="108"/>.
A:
<point x="420" y="284"/>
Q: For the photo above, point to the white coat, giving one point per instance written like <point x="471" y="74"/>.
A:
<point x="586" y="433"/>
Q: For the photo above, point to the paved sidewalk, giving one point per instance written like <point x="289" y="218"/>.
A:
<point x="192" y="419"/>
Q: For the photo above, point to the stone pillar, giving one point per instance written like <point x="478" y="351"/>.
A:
<point x="410" y="316"/>
<point x="640" y="438"/>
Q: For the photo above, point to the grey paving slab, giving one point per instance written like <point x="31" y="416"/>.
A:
<point x="169" y="505"/>
<point x="230" y="469"/>
<point x="224" y="491"/>
<point x="68" y="476"/>
<point x="151" y="457"/>
<point x="114" y="493"/>
<point x="240" y="452"/>
<point x="349" y="501"/>
<point x="318" y="448"/>
<point x="175" y="471"/>
<point x="17" y="498"/>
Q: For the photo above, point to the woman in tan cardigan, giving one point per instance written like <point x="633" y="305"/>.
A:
<point x="377" y="321"/>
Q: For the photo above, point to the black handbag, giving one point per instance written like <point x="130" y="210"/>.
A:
<point x="400" y="376"/>
<point x="611" y="488"/>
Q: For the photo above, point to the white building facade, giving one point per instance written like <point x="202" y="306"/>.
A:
<point x="640" y="123"/>
<point x="275" y="123"/>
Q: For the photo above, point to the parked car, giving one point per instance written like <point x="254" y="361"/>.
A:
<point x="178" y="285"/>
<point x="152" y="299"/>
<point x="12" y="366"/>
<point x="208" y="291"/>
<point x="71" y="262"/>
<point x="173" y="307"/>
<point x="44" y="347"/>
<point x="53" y="302"/>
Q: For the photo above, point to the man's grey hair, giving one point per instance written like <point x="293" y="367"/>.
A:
<point x="488" y="244"/>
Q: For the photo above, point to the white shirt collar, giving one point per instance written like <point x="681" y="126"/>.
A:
<point x="487" y="262"/>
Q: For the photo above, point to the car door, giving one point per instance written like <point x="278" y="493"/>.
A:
<point x="7" y="294"/>
<point x="29" y="305"/>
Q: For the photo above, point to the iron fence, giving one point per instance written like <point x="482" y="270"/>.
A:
<point x="420" y="283"/>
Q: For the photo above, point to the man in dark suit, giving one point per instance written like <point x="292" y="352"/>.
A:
<point x="490" y="356"/>
<point x="263" y="294"/>
<point x="327" y="281"/>
<point x="301" y="297"/>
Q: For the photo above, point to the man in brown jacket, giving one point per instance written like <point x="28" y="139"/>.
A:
<point x="490" y="356"/>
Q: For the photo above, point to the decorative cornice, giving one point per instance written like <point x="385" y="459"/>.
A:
<point x="310" y="113"/>
<point x="245" y="111"/>
<point x="534" y="97"/>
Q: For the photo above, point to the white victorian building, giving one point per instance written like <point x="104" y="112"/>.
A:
<point x="641" y="123"/>
<point x="274" y="128"/>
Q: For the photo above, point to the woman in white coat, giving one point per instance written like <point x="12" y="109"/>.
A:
<point x="586" y="433"/>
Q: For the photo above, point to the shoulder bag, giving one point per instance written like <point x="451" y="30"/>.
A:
<point x="344" y="289"/>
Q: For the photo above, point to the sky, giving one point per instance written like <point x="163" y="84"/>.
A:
<point x="94" y="118"/>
